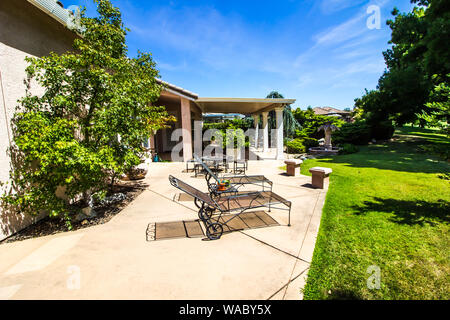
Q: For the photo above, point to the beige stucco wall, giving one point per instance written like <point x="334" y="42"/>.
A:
<point x="24" y="31"/>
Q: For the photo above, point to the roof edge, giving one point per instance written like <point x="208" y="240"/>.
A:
<point x="177" y="90"/>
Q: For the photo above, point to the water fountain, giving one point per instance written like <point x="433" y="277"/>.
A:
<point x="327" y="148"/>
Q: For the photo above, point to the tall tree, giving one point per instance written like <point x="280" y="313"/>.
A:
<point x="88" y="125"/>
<point x="418" y="62"/>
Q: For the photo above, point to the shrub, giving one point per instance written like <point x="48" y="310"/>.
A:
<point x="382" y="130"/>
<point x="348" y="148"/>
<point x="295" y="146"/>
<point x="311" y="122"/>
<point x="67" y="137"/>
<point x="358" y="133"/>
<point x="310" y="142"/>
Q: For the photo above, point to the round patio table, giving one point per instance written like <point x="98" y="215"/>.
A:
<point x="217" y="163"/>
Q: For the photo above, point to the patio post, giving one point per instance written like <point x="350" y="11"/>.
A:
<point x="256" y="120"/>
<point x="198" y="137"/>
<point x="280" y="133"/>
<point x="152" y="144"/>
<point x="187" y="130"/>
<point x="265" y="116"/>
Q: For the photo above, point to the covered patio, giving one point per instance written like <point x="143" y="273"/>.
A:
<point x="117" y="260"/>
<point x="189" y="108"/>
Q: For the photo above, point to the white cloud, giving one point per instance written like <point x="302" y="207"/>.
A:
<point x="332" y="6"/>
<point x="343" y="32"/>
<point x="218" y="41"/>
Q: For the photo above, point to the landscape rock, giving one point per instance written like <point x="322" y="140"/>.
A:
<point x="117" y="197"/>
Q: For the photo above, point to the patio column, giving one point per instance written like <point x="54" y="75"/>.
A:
<point x="265" y="128"/>
<point x="279" y="133"/>
<point x="256" y="120"/>
<point x="198" y="137"/>
<point x="187" y="130"/>
<point x="152" y="143"/>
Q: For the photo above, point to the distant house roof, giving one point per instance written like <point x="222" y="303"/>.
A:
<point x="324" y="111"/>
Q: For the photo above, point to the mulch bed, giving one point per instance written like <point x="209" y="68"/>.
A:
<point x="49" y="226"/>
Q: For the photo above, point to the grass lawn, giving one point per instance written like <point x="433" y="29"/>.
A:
<point x="388" y="206"/>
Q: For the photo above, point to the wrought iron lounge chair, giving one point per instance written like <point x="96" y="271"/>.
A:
<point x="235" y="182"/>
<point x="211" y="210"/>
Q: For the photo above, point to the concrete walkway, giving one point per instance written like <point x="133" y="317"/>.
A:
<point x="114" y="260"/>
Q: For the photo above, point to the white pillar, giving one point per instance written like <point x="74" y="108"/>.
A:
<point x="152" y="141"/>
<point x="265" y="128"/>
<point x="256" y="120"/>
<point x="280" y="133"/>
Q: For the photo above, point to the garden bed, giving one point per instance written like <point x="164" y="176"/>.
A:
<point x="49" y="226"/>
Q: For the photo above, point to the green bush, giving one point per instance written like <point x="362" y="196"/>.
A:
<point x="243" y="124"/>
<point x="358" y="133"/>
<point x="311" y="122"/>
<point x="348" y="148"/>
<point x="309" y="142"/>
<point x="66" y="138"/>
<point x="295" y="146"/>
<point x="382" y="130"/>
<point x="232" y="138"/>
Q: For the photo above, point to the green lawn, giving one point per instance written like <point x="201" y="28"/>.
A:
<point x="387" y="206"/>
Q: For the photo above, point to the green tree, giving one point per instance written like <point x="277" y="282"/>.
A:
<point x="310" y="123"/>
<point x="88" y="126"/>
<point x="417" y="63"/>
<point x="438" y="114"/>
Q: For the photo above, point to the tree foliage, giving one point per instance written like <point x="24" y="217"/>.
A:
<point x="310" y="123"/>
<point x="88" y="125"/>
<point x="417" y="63"/>
<point x="438" y="114"/>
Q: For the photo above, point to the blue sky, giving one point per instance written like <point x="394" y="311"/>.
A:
<point x="320" y="52"/>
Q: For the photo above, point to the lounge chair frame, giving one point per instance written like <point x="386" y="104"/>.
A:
<point x="211" y="210"/>
<point x="236" y="181"/>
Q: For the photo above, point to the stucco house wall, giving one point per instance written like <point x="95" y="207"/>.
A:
<point x="25" y="30"/>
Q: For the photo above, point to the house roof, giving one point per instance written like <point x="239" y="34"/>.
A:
<point x="329" y="110"/>
<point x="227" y="105"/>
<point x="53" y="9"/>
<point x="177" y="90"/>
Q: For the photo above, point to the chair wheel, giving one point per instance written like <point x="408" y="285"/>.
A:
<point x="214" y="231"/>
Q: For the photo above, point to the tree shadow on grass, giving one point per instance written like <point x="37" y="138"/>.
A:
<point x="408" y="212"/>
<point x="399" y="156"/>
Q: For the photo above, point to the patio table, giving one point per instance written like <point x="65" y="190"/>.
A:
<point x="215" y="163"/>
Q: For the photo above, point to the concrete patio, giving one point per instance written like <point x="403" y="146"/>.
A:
<point x="115" y="261"/>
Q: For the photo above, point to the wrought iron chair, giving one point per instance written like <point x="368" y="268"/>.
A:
<point x="235" y="182"/>
<point x="211" y="211"/>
